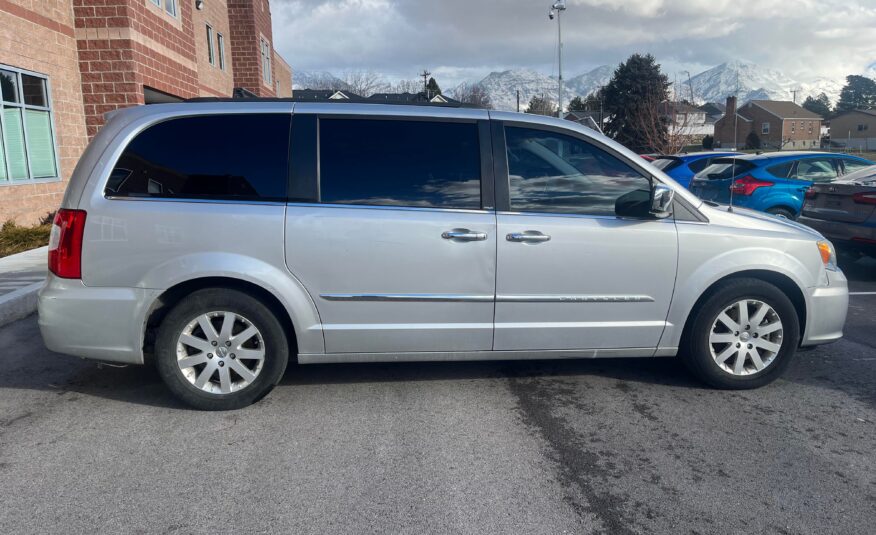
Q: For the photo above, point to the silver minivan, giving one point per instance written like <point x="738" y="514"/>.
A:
<point x="220" y="239"/>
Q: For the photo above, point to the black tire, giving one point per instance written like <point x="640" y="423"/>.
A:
<point x="276" y="348"/>
<point x="696" y="352"/>
<point x="784" y="212"/>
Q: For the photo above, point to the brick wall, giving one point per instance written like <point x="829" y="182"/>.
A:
<point x="282" y="76"/>
<point x="125" y="45"/>
<point x="213" y="81"/>
<point x="250" y="21"/>
<point x="38" y="35"/>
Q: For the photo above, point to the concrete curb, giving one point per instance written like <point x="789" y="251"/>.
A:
<point x="19" y="304"/>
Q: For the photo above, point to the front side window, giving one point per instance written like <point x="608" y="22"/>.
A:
<point x="428" y="164"/>
<point x="556" y="173"/>
<point x="816" y="170"/>
<point x="215" y="157"/>
<point x="27" y="144"/>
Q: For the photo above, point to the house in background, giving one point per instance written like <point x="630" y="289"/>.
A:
<point x="65" y="63"/>
<point x="590" y="119"/>
<point x="685" y="120"/>
<point x="855" y="129"/>
<point x="777" y="124"/>
<point x="714" y="111"/>
<point x="343" y="95"/>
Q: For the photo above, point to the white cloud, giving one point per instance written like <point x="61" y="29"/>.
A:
<point x="464" y="39"/>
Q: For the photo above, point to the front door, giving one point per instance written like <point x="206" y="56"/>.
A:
<point x="398" y="252"/>
<point x="570" y="273"/>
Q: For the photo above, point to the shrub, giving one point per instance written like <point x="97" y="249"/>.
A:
<point x="15" y="238"/>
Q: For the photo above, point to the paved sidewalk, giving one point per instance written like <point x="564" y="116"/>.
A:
<point x="21" y="276"/>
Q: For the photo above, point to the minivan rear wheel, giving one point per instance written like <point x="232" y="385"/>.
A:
<point x="744" y="335"/>
<point x="221" y="349"/>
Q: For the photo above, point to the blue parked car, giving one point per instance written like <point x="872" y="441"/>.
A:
<point x="776" y="182"/>
<point x="683" y="167"/>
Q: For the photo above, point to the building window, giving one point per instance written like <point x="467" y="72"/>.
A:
<point x="211" y="57"/>
<point x="170" y="7"/>
<point x="27" y="144"/>
<point x="793" y="127"/>
<point x="266" y="61"/>
<point x="220" y="42"/>
<point x="765" y="128"/>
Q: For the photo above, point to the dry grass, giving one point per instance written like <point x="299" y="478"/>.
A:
<point x="15" y="238"/>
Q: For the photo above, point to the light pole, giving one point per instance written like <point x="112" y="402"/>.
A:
<point x="556" y="10"/>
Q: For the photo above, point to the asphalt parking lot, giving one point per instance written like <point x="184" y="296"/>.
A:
<point x="611" y="446"/>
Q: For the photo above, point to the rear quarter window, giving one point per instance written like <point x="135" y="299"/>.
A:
<point x="723" y="168"/>
<point x="214" y="157"/>
<point x="699" y="165"/>
<point x="782" y="170"/>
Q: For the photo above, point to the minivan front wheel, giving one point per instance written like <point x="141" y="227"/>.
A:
<point x="221" y="349"/>
<point x="743" y="336"/>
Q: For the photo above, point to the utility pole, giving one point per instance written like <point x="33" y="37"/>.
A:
<point x="425" y="74"/>
<point x="557" y="9"/>
<point x="690" y="84"/>
<point x="794" y="92"/>
<point x="518" y="101"/>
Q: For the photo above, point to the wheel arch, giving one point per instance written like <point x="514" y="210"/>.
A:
<point x="171" y="296"/>
<point x="783" y="282"/>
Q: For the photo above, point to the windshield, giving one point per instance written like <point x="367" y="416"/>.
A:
<point x="665" y="164"/>
<point x="724" y="168"/>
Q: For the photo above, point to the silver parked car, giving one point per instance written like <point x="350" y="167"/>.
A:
<point x="221" y="239"/>
<point x="845" y="212"/>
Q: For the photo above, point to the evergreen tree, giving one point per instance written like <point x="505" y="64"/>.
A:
<point x="577" y="104"/>
<point x="819" y="105"/>
<point x="859" y="93"/>
<point x="631" y="99"/>
<point x="708" y="142"/>
<point x="752" y="141"/>
<point x="432" y="88"/>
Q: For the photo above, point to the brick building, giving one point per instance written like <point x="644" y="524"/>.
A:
<point x="855" y="129"/>
<point x="66" y="63"/>
<point x="777" y="124"/>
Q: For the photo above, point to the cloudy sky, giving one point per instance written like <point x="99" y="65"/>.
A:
<point x="466" y="39"/>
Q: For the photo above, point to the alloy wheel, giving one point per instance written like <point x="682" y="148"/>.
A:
<point x="220" y="352"/>
<point x="746" y="337"/>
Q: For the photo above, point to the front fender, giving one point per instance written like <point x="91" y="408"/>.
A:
<point x="697" y="275"/>
<point x="282" y="284"/>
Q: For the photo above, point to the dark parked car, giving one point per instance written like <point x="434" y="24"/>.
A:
<point x="845" y="212"/>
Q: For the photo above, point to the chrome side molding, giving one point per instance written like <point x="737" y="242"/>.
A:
<point x="456" y="298"/>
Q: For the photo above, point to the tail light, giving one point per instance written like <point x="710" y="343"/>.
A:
<point x="810" y="194"/>
<point x="865" y="197"/>
<point x="748" y="184"/>
<point x="65" y="244"/>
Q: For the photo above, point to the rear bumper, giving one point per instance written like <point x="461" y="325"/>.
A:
<point x="841" y="233"/>
<point x="828" y="306"/>
<point x="105" y="324"/>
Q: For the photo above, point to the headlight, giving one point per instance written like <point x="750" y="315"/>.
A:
<point x="828" y="255"/>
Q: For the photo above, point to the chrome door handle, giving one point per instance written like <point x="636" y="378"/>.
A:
<point x="527" y="237"/>
<point x="463" y="234"/>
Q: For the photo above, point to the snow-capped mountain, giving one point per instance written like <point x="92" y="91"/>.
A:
<point x="589" y="82"/>
<point x="755" y="83"/>
<point x="503" y="86"/>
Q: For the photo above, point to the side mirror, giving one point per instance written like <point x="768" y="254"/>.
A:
<point x="661" y="200"/>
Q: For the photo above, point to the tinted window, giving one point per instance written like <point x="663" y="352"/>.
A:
<point x="699" y="165"/>
<point x="816" y="170"/>
<point x="782" y="170"/>
<point x="723" y="168"/>
<point x="212" y="157"/>
<point x="399" y="163"/>
<point x="555" y="173"/>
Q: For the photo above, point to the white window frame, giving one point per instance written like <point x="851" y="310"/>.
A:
<point x="171" y="7"/>
<point x="220" y="46"/>
<point x="211" y="53"/>
<point x="9" y="181"/>
<point x="267" y="76"/>
<point x="765" y="129"/>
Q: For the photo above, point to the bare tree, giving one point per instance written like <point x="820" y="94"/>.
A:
<point x="664" y="127"/>
<point x="474" y="94"/>
<point x="541" y="106"/>
<point x="407" y="86"/>
<point x="364" y="83"/>
<point x="324" y="81"/>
